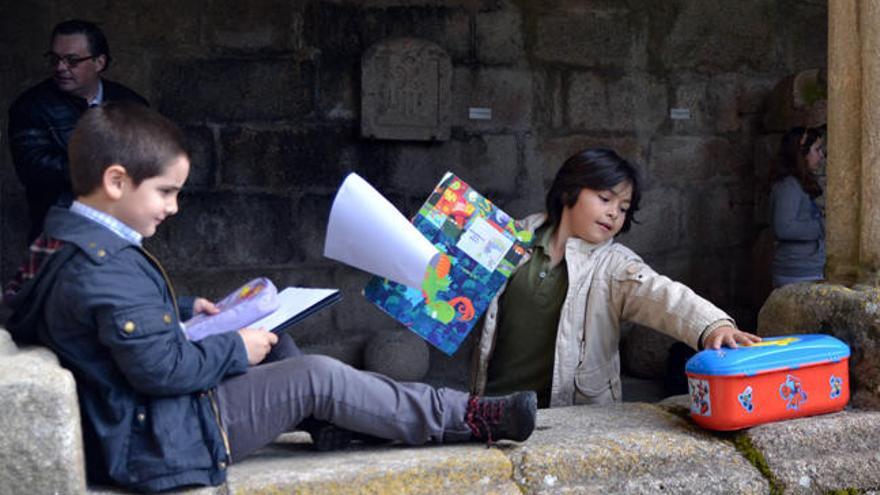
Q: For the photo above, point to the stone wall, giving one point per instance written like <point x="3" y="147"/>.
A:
<point x="269" y="94"/>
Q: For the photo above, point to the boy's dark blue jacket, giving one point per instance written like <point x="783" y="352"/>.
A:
<point x="105" y="307"/>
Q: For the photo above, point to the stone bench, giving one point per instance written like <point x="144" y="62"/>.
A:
<point x="41" y="447"/>
<point x="622" y="448"/>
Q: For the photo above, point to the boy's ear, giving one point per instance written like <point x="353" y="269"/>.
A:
<point x="115" y="180"/>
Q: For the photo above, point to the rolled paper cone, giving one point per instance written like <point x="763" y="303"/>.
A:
<point x="367" y="232"/>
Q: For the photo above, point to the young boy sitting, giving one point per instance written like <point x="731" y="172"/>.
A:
<point x="158" y="410"/>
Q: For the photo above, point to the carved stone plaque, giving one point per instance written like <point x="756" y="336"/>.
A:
<point x="406" y="87"/>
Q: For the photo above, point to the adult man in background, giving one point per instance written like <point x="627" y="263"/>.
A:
<point x="42" y="118"/>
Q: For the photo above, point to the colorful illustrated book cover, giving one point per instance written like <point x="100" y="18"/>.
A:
<point x="480" y="246"/>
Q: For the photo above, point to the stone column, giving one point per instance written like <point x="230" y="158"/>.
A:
<point x="853" y="195"/>
<point x="844" y="138"/>
<point x="869" y="251"/>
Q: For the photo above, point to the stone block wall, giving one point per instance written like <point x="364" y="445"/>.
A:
<point x="268" y="93"/>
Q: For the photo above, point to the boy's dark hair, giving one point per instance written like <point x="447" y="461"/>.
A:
<point x="599" y="169"/>
<point x="793" y="151"/>
<point x="97" y="41"/>
<point x="125" y="133"/>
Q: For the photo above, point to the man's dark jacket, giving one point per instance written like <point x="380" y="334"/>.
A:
<point x="40" y="123"/>
<point x="103" y="305"/>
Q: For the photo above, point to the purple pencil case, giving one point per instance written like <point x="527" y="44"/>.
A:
<point x="238" y="309"/>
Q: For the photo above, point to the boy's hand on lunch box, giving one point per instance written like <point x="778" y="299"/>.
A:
<point x="728" y="336"/>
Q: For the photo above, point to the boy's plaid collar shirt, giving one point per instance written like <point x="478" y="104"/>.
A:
<point x="43" y="247"/>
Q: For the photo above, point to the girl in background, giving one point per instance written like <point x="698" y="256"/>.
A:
<point x="798" y="222"/>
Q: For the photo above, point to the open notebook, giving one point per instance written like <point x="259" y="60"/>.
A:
<point x="257" y="304"/>
<point x="297" y="304"/>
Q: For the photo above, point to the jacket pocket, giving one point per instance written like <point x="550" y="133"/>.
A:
<point x="144" y="320"/>
<point x="167" y="438"/>
<point x="597" y="386"/>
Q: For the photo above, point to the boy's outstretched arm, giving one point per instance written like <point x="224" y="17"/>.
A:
<point x="645" y="297"/>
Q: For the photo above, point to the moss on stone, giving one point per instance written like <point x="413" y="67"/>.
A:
<point x="744" y="445"/>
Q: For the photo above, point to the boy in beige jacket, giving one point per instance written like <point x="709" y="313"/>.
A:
<point x="559" y="330"/>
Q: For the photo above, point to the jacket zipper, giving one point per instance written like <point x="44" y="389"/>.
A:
<point x="158" y="266"/>
<point x="209" y="393"/>
<point x="220" y="425"/>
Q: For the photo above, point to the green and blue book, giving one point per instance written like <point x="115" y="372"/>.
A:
<point x="479" y="245"/>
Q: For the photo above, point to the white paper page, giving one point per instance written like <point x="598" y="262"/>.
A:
<point x="366" y="231"/>
<point x="293" y="300"/>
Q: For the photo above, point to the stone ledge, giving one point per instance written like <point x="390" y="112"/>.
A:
<point x="290" y="466"/>
<point x="625" y="448"/>
<point x="622" y="448"/>
<point x="628" y="448"/>
<point x="41" y="448"/>
<point x="823" y="453"/>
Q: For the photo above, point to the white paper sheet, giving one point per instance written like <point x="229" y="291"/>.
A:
<point x="292" y="300"/>
<point x="366" y="231"/>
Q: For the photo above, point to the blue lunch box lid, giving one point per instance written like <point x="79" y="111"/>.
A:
<point x="772" y="353"/>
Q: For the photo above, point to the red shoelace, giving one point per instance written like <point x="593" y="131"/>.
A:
<point x="481" y="415"/>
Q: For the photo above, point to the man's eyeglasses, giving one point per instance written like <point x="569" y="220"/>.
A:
<point x="70" y="61"/>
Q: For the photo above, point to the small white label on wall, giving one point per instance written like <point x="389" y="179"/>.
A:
<point x="479" y="113"/>
<point x="679" y="113"/>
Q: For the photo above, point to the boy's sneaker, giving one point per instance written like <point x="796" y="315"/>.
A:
<point x="327" y="436"/>
<point x="507" y="417"/>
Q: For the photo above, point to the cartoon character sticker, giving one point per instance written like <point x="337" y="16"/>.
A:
<point x="700" y="403"/>
<point x="836" y="383"/>
<point x="745" y="399"/>
<point x="792" y="393"/>
<point x="455" y="205"/>
<point x="778" y="342"/>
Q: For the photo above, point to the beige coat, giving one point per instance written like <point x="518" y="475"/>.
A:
<point x="607" y="284"/>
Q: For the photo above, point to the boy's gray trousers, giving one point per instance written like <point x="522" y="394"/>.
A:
<point x="274" y="397"/>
